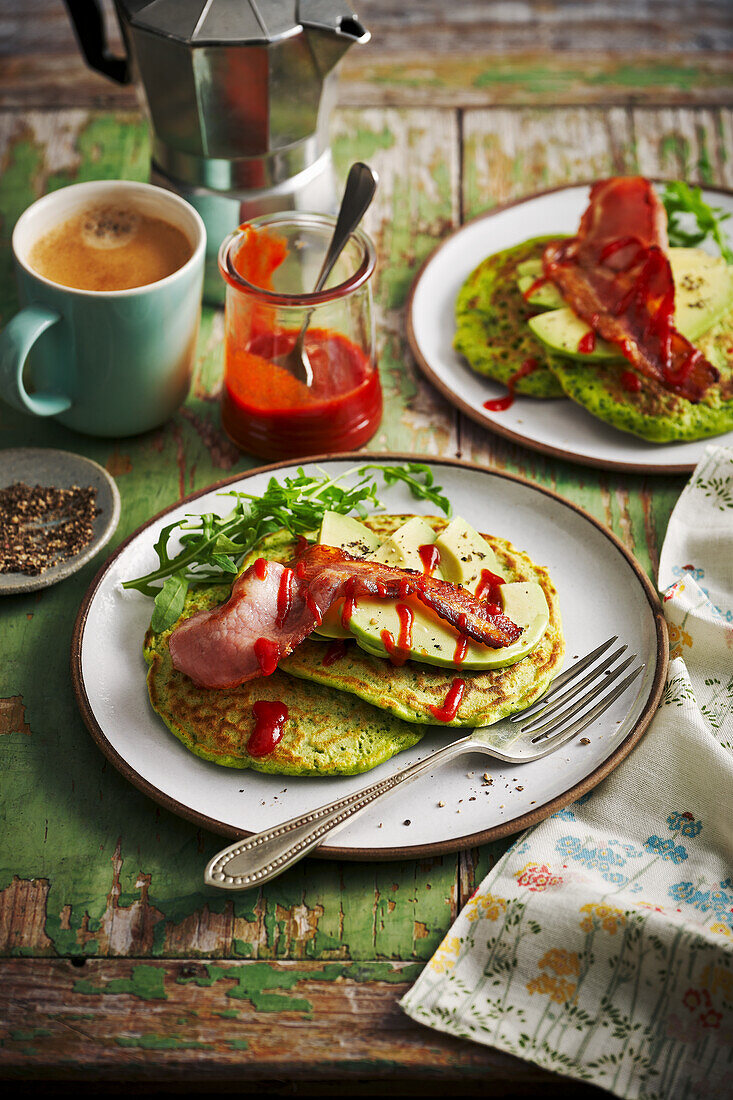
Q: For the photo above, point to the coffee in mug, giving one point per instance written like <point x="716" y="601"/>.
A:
<point x="110" y="246"/>
<point x="109" y="275"/>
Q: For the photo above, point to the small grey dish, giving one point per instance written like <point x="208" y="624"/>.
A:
<point x="61" y="469"/>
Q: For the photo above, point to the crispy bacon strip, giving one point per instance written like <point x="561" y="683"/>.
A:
<point x="616" y="276"/>
<point x="331" y="574"/>
<point x="246" y="636"/>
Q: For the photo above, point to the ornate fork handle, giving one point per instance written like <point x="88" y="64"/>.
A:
<point x="254" y="860"/>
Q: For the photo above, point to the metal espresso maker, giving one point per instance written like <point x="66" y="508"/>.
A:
<point x="239" y="94"/>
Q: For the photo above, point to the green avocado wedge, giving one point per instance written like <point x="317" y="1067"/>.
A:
<point x="491" y="323"/>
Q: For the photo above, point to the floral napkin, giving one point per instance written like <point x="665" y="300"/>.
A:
<point x="601" y="945"/>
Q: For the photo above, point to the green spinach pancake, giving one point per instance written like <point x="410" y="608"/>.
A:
<point x="491" y="323"/>
<point x="347" y="710"/>
<point x="609" y="391"/>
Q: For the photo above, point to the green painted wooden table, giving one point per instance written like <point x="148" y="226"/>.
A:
<point x="119" y="964"/>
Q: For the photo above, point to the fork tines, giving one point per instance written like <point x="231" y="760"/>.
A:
<point x="550" y="714"/>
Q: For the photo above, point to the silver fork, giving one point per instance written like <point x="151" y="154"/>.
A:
<point x="257" y="859"/>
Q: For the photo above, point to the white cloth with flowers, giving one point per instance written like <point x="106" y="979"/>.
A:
<point x="601" y="945"/>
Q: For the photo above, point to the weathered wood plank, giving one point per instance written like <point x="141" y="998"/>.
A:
<point x="189" y="1022"/>
<point x="437" y="55"/>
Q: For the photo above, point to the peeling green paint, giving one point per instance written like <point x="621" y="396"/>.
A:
<point x="228" y="1014"/>
<point x="238" y="1044"/>
<point x="146" y="982"/>
<point x="24" y="1034"/>
<point x="161" y="1042"/>
<point x="368" y="142"/>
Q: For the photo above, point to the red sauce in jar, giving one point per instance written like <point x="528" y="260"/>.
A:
<point x="270" y="719"/>
<point x="430" y="558"/>
<point x="448" y="709"/>
<point x="265" y="409"/>
<point x="501" y="404"/>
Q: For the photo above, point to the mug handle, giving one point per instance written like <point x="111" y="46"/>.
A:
<point x="16" y="342"/>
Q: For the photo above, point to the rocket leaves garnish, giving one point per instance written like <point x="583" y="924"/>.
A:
<point x="212" y="547"/>
<point x="680" y="199"/>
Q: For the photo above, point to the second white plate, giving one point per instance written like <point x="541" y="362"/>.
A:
<point x="558" y="426"/>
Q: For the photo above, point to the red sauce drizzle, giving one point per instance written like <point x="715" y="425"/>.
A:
<point x="284" y="596"/>
<point x="404" y="589"/>
<point x="261" y="568"/>
<point x="270" y="719"/>
<point x="630" y="381"/>
<point x="536" y="285"/>
<point x="267" y="653"/>
<point x="407" y="618"/>
<point x="461" y="650"/>
<point x="430" y="558"/>
<point x="312" y="606"/>
<point x="381" y="590"/>
<point x="501" y="404"/>
<point x="335" y="651"/>
<point x="488" y="590"/>
<point x="300" y="570"/>
<point x="587" y="343"/>
<point x="448" y="709"/>
<point x="349" y="603"/>
<point x="399" y="651"/>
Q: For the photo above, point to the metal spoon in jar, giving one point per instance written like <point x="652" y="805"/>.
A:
<point x="359" y="191"/>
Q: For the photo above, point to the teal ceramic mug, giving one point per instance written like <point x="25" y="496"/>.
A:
<point x="105" y="362"/>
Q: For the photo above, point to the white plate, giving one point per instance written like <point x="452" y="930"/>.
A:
<point x="555" y="426"/>
<point x="602" y="592"/>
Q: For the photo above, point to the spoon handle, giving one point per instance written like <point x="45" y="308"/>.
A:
<point x="361" y="184"/>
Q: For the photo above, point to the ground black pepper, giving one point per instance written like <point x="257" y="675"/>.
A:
<point x="41" y="526"/>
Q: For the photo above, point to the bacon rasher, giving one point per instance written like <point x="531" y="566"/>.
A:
<point x="616" y="275"/>
<point x="272" y="608"/>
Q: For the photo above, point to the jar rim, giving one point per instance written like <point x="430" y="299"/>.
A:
<point x="296" y="217"/>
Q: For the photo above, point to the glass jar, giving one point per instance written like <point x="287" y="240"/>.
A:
<point x="270" y="265"/>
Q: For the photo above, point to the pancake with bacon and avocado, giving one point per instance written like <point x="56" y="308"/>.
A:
<point x="348" y="709"/>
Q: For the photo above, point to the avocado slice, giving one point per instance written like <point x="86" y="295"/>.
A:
<point x="402" y="548"/>
<point x="703" y="294"/>
<point x="545" y="296"/>
<point x="348" y="534"/>
<point x="464" y="553"/>
<point x="434" y="641"/>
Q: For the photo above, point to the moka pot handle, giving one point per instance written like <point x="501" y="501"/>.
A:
<point x="88" y="22"/>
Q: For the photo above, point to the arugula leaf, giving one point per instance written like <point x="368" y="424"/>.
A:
<point x="680" y="199"/>
<point x="169" y="602"/>
<point x="212" y="547"/>
<point x="412" y="473"/>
